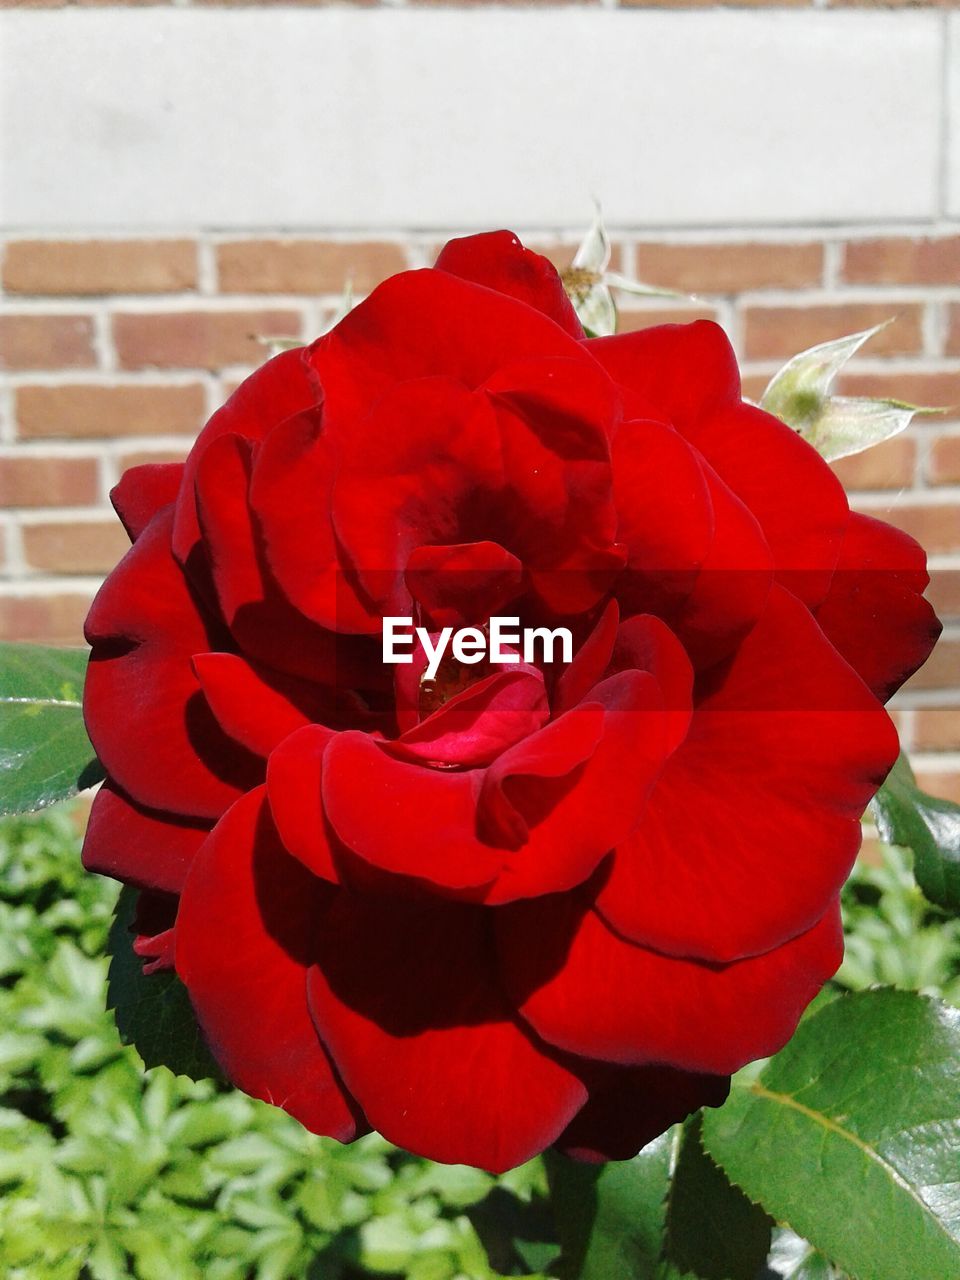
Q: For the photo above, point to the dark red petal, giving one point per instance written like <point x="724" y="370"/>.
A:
<point x="422" y="324"/>
<point x="499" y="261"/>
<point x="678" y="373"/>
<point x="410" y="475"/>
<point x="257" y="707"/>
<point x="463" y="584"/>
<point x="798" y="501"/>
<point x="630" y="1106"/>
<point x="475" y="726"/>
<point x="406" y="818"/>
<point x="645" y="643"/>
<point x="140" y="846"/>
<point x="291" y="492"/>
<point x="406" y="998"/>
<point x="696" y="556"/>
<point x="874" y="613"/>
<point x="153" y="925"/>
<point x="248" y="920"/>
<point x="731" y="588"/>
<point x="764" y="798"/>
<point x="293" y="790"/>
<point x="571" y="822"/>
<point x="145" y="627"/>
<point x="284" y="386"/>
<point x="589" y="992"/>
<point x="589" y="662"/>
<point x="142" y="491"/>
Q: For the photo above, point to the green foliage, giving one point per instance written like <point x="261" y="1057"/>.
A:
<point x="669" y="1212"/>
<point x="929" y="826"/>
<point x="866" y="1100"/>
<point x="895" y="937"/>
<point x="153" y="1011"/>
<point x="110" y="1173"/>
<point x="45" y="754"/>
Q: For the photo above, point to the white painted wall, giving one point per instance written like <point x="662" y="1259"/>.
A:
<point x="280" y="118"/>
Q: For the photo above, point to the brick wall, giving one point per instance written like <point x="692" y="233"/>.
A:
<point x="116" y="349"/>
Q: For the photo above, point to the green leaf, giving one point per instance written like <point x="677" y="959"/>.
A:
<point x="45" y="754"/>
<point x="153" y="1011"/>
<point x="668" y="1212"/>
<point x="907" y="816"/>
<point x="851" y="1135"/>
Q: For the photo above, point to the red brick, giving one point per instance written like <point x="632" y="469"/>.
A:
<point x="48" y="482"/>
<point x="99" y="266"/>
<point x="34" y="341"/>
<point x="781" y="332"/>
<point x="944" y="593"/>
<point x="886" y="466"/>
<point x="305" y="266"/>
<point x="103" y="411"/>
<point x="44" y="619"/>
<point x="941" y="670"/>
<point x="953" y="330"/>
<point x="200" y="339"/>
<point x="629" y="320"/>
<point x="943" y="463"/>
<point x="730" y="268"/>
<point x="76" y="546"/>
<point x="144" y="456"/>
<point x="935" y="526"/>
<point x="933" y="390"/>
<point x="944" y="783"/>
<point x="902" y="260"/>
<point x="936" y="729"/>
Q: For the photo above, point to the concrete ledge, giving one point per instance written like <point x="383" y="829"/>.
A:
<point x="276" y="118"/>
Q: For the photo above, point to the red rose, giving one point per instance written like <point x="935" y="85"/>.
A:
<point x="513" y="906"/>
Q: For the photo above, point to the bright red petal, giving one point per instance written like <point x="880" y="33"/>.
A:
<point x="423" y="324"/>
<point x="764" y="799"/>
<point x="797" y="500"/>
<point x="874" y="613"/>
<point x="407" y="1001"/>
<point x="145" y="626"/>
<point x="587" y="991"/>
<point x="139" y="846"/>
<point x="286" y="385"/>
<point x="142" y="491"/>
<point x="677" y="373"/>
<point x="499" y="261"/>
<point x="245" y="936"/>
<point x="293" y="790"/>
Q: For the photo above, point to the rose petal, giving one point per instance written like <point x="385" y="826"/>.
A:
<point x="478" y="724"/>
<point x="764" y="799"/>
<point x="463" y="584"/>
<point x="293" y="790"/>
<point x="630" y="1106"/>
<point x="679" y="373"/>
<point x="588" y="991"/>
<point x="145" y="626"/>
<point x="286" y="385"/>
<point x="499" y="261"/>
<point x="142" y="491"/>
<point x="424" y="1039"/>
<point x="140" y="846"/>
<point x="248" y="920"/>
<point x="874" y="613"/>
